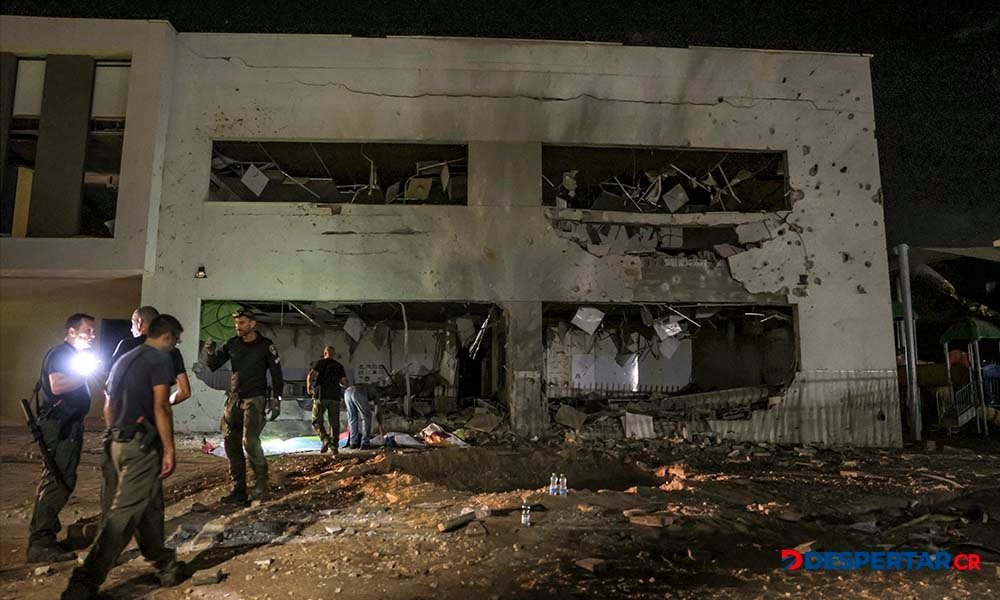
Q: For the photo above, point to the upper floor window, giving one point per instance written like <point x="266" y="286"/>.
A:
<point x="663" y="180"/>
<point x="339" y="172"/>
<point x="63" y="126"/>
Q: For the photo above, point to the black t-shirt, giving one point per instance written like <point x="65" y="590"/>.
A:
<point x="130" y="384"/>
<point x="74" y="404"/>
<point x="130" y="343"/>
<point x="328" y="375"/>
<point x="252" y="361"/>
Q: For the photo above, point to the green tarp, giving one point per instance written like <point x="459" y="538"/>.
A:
<point x="970" y="330"/>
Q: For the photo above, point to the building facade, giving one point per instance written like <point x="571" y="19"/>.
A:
<point x="516" y="112"/>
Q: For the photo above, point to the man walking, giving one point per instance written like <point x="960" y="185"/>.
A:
<point x="253" y="356"/>
<point x="65" y="401"/>
<point x="137" y="407"/>
<point x="326" y="393"/>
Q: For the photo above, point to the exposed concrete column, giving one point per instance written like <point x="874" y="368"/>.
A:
<point x="524" y="354"/>
<point x="57" y="190"/>
<point x="8" y="81"/>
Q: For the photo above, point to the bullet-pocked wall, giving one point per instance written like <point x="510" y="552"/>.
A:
<point x="504" y="100"/>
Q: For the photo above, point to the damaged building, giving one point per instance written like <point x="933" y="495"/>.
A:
<point x="621" y="240"/>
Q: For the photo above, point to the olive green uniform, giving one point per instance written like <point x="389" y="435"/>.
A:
<point x="243" y="418"/>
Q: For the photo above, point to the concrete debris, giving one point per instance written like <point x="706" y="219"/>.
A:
<point x="594" y="565"/>
<point x="726" y="250"/>
<point x="207" y="577"/>
<point x="750" y="233"/>
<point x="570" y="417"/>
<point x="475" y="528"/>
<point x="263" y="563"/>
<point x="483" y="422"/>
<point x="333" y="529"/>
<point x="865" y="526"/>
<point x="588" y="319"/>
<point x="652" y="520"/>
<point x="44" y="571"/>
<point x="790" y="516"/>
<point x="638" y="427"/>
<point x="457" y="522"/>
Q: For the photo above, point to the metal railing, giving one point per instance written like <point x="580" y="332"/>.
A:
<point x="960" y="408"/>
<point x="608" y="390"/>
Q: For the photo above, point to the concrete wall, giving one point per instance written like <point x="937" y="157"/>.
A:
<point x="150" y="47"/>
<point x="505" y="99"/>
<point x="32" y="315"/>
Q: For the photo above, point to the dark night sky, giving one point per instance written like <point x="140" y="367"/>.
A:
<point x="936" y="70"/>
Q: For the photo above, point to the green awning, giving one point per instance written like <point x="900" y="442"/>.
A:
<point x="217" y="320"/>
<point x="970" y="330"/>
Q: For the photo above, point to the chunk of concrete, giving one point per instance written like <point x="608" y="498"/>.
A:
<point x="207" y="577"/>
<point x="726" y="250"/>
<point x="749" y="233"/>
<point x="570" y="417"/>
<point x="457" y="522"/>
<point x="594" y="565"/>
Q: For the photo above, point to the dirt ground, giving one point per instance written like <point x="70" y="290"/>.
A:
<point x="705" y="520"/>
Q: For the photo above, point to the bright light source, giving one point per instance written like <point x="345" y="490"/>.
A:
<point x="85" y="363"/>
<point x="200" y="273"/>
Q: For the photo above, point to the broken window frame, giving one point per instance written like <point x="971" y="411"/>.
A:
<point x="655" y="176"/>
<point x="440" y="180"/>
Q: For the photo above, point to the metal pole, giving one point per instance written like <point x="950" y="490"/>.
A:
<point x="913" y="391"/>
<point x="982" y="387"/>
<point x="970" y="356"/>
<point x="951" y="387"/>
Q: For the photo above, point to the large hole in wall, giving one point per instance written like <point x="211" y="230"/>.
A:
<point x="339" y="172"/>
<point x="453" y="351"/>
<point x="663" y="180"/>
<point x="640" y="351"/>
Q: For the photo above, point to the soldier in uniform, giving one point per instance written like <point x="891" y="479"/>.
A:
<point x="252" y="356"/>
<point x="137" y="406"/>
<point x="65" y="402"/>
<point x="327" y="392"/>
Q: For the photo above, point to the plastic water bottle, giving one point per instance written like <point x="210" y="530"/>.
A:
<point x="525" y="515"/>
<point x="553" y="485"/>
<point x="562" y="485"/>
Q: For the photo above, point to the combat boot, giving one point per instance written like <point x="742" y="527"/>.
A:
<point x="173" y="575"/>
<point x="39" y="553"/>
<point x="237" y="496"/>
<point x="261" y="492"/>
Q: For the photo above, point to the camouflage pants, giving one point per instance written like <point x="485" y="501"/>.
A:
<point x="242" y="423"/>
<point x="65" y="442"/>
<point x="331" y="408"/>
<point x="135" y="509"/>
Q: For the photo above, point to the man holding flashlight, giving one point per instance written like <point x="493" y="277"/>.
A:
<point x="63" y="381"/>
<point x="252" y="356"/>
